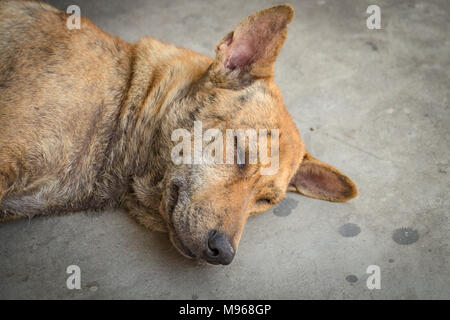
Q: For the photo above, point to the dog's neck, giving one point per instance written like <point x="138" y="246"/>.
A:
<point x="161" y="75"/>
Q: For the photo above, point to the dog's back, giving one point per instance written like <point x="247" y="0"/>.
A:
<point x="60" y="92"/>
<point x="63" y="97"/>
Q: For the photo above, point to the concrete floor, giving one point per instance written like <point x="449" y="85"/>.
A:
<point x="374" y="103"/>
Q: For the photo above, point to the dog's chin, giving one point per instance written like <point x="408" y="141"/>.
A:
<point x="173" y="234"/>
<point x="173" y="206"/>
<point x="185" y="251"/>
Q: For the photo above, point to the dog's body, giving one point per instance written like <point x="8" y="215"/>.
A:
<point x="86" y="122"/>
<point x="69" y="104"/>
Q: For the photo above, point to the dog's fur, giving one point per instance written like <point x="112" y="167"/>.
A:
<point x="86" y="122"/>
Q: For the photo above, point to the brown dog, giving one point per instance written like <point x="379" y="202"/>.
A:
<point x="86" y="122"/>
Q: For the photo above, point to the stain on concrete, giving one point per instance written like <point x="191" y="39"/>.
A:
<point x="351" y="278"/>
<point x="349" y="230"/>
<point x="405" y="236"/>
<point x="92" y="286"/>
<point x="440" y="170"/>
<point x="285" y="207"/>
<point x="372" y="45"/>
<point x="194" y="297"/>
<point x="391" y="260"/>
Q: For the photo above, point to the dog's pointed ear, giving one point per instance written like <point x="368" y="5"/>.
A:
<point x="253" y="46"/>
<point x="319" y="180"/>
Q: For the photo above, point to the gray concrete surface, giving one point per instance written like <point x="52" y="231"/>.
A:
<point x="374" y="103"/>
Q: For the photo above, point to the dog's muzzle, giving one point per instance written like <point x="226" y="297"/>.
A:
<point x="218" y="249"/>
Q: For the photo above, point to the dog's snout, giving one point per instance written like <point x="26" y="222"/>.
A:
<point x="218" y="248"/>
<point x="179" y="184"/>
<point x="176" y="187"/>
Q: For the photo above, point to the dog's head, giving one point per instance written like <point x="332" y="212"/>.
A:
<point x="214" y="182"/>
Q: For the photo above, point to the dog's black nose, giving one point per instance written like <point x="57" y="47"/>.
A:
<point x="218" y="248"/>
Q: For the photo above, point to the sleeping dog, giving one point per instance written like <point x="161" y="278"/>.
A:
<point x="87" y="121"/>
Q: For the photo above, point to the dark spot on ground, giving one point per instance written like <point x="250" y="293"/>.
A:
<point x="405" y="236"/>
<point x="351" y="278"/>
<point x="391" y="260"/>
<point x="285" y="207"/>
<point x="194" y="297"/>
<point x="349" y="230"/>
<point x="372" y="46"/>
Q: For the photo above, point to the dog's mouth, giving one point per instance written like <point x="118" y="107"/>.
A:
<point x="179" y="245"/>
<point x="173" y="203"/>
<point x="174" y="195"/>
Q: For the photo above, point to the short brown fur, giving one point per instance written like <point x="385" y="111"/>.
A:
<point x="86" y="122"/>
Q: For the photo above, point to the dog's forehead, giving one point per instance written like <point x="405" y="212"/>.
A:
<point x="262" y="106"/>
<point x="258" y="106"/>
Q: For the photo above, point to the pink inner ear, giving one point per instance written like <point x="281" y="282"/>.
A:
<point x="322" y="181"/>
<point x="240" y="56"/>
<point x="255" y="41"/>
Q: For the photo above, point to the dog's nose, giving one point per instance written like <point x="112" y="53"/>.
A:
<point x="218" y="249"/>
